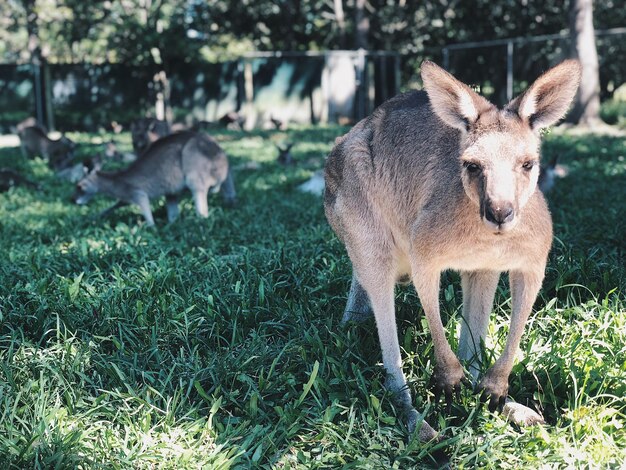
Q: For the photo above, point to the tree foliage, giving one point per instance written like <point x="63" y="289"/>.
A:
<point x="175" y="31"/>
<point x="128" y="30"/>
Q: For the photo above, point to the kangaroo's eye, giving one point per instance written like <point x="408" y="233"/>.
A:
<point x="472" y="168"/>
<point x="528" y="165"/>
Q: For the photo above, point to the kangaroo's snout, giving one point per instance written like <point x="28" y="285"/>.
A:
<point x="81" y="198"/>
<point x="499" y="213"/>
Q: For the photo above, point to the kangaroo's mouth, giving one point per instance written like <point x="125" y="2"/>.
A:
<point x="82" y="199"/>
<point x="499" y="229"/>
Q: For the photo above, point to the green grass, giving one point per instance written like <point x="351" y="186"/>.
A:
<point x="217" y="343"/>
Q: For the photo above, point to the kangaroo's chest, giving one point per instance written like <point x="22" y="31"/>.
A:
<point x="474" y="255"/>
<point x="498" y="253"/>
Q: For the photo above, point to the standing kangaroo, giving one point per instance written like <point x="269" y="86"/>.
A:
<point x="184" y="160"/>
<point x="440" y="180"/>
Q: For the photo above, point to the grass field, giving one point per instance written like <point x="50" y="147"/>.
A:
<point x="217" y="343"/>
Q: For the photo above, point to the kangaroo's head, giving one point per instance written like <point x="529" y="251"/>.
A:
<point x="499" y="148"/>
<point x="87" y="187"/>
<point x="145" y="131"/>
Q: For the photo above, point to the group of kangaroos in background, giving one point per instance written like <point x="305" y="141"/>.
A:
<point x="433" y="180"/>
<point x="164" y="164"/>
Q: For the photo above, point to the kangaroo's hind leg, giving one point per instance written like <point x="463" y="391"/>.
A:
<point x="377" y="278"/>
<point x="141" y="199"/>
<point x="479" y="288"/>
<point x="358" y="308"/>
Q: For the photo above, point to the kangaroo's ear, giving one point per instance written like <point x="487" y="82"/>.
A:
<point x="453" y="101"/>
<point x="548" y="99"/>
<point x="92" y="165"/>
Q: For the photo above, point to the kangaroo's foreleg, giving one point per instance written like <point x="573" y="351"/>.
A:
<point x="141" y="199"/>
<point x="524" y="289"/>
<point x="112" y="208"/>
<point x="229" y="194"/>
<point x="448" y="370"/>
<point x="358" y="307"/>
<point x="200" y="201"/>
<point x="479" y="288"/>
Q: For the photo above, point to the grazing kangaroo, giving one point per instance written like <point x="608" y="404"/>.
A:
<point x="183" y="160"/>
<point x="34" y="141"/>
<point x="440" y="180"/>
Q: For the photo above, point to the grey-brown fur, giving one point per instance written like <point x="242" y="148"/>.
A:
<point x="439" y="180"/>
<point x="29" y="122"/>
<point x="184" y="160"/>
<point x="145" y="131"/>
<point x="34" y="142"/>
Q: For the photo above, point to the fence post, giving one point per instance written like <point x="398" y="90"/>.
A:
<point x="446" y="58"/>
<point x="39" y="104"/>
<point x="47" y="96"/>
<point x="241" y="93"/>
<point x="509" y="70"/>
<point x="249" y="111"/>
<point x="396" y="68"/>
<point x="361" y="86"/>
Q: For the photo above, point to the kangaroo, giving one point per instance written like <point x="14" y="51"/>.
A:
<point x="442" y="179"/>
<point x="28" y="122"/>
<point x="183" y="160"/>
<point x="145" y="131"/>
<point x="10" y="178"/>
<point x="549" y="173"/>
<point x="284" y="154"/>
<point x="34" y="141"/>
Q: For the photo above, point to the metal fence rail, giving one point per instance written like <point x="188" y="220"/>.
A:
<point x="510" y="44"/>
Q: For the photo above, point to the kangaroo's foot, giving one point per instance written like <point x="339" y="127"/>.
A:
<point x="520" y="414"/>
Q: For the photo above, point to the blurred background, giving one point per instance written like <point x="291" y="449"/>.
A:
<point x="91" y="65"/>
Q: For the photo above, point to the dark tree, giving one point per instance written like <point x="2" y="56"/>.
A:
<point x="586" y="110"/>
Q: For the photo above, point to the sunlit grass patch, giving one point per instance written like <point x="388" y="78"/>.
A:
<point x="217" y="343"/>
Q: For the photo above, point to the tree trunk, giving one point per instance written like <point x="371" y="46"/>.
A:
<point x="586" y="110"/>
<point x="36" y="60"/>
<point x="341" y="22"/>
<point x="163" y="106"/>
<point x="362" y="23"/>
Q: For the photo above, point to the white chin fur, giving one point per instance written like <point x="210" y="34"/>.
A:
<point x="500" y="229"/>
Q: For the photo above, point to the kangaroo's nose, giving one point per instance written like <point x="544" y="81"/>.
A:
<point x="499" y="213"/>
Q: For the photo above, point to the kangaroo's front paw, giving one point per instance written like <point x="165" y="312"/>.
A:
<point x="447" y="380"/>
<point x="494" y="386"/>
